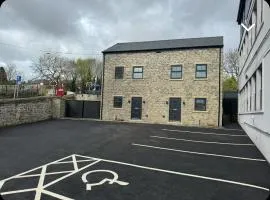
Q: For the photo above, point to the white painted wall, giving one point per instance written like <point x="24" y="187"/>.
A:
<point x="257" y="123"/>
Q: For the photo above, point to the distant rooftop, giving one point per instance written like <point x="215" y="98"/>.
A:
<point x="204" y="42"/>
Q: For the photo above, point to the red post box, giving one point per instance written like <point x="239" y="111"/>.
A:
<point x="60" y="92"/>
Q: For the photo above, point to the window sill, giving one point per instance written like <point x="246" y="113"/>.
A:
<point x="197" y="111"/>
<point x="201" y="79"/>
<point x="174" y="79"/>
<point x="118" y="108"/>
<point x="252" y="113"/>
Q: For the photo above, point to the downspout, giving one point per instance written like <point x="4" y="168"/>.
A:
<point x="219" y="89"/>
<point x="102" y="88"/>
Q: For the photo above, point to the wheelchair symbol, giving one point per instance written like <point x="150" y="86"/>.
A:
<point x="109" y="180"/>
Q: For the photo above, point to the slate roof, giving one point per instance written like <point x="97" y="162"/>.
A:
<point x="204" y="42"/>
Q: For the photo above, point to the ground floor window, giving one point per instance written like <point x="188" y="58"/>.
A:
<point x="117" y="102"/>
<point x="200" y="104"/>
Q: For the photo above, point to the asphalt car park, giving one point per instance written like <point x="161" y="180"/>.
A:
<point x="74" y="159"/>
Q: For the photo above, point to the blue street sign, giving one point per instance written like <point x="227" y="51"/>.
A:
<point x="18" y="80"/>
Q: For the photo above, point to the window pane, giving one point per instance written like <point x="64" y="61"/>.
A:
<point x="201" y="75"/>
<point x="117" y="102"/>
<point x="176" y="75"/>
<point x="137" y="75"/>
<point x="137" y="69"/>
<point x="200" y="104"/>
<point x="176" y="68"/>
<point x="119" y="71"/>
<point x="201" y="67"/>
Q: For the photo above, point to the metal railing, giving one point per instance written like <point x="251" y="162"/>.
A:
<point x="22" y="91"/>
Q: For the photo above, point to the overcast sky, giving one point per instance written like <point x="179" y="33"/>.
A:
<point x="81" y="28"/>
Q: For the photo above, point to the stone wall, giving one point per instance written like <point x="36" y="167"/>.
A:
<point x="87" y="97"/>
<point x="28" y="110"/>
<point x="156" y="87"/>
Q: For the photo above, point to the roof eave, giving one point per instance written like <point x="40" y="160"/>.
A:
<point x="169" y="49"/>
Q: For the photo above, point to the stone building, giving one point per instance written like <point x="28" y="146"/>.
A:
<point x="168" y="82"/>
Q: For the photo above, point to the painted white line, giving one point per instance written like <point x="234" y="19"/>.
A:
<point x="18" y="191"/>
<point x="31" y="170"/>
<point x="67" y="162"/>
<point x="204" y="142"/>
<point x="75" y="163"/>
<point x="56" y="195"/>
<point x="198" y="153"/>
<point x="50" y="173"/>
<point x="1" y="184"/>
<point x="229" y="129"/>
<point x="40" y="183"/>
<point x="204" y="133"/>
<point x="68" y="175"/>
<point x="185" y="174"/>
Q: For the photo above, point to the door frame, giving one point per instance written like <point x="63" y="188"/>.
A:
<point x="131" y="107"/>
<point x="180" y="109"/>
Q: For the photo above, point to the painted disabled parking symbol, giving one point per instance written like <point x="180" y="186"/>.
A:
<point x="112" y="180"/>
<point x="57" y="180"/>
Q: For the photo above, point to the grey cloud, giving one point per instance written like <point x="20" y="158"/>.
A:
<point x="89" y="26"/>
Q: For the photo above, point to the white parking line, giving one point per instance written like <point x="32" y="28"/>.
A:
<point x="96" y="160"/>
<point x="204" y="133"/>
<point x="40" y="183"/>
<point x="19" y="191"/>
<point x="50" y="173"/>
<point x="75" y="163"/>
<point x="204" y="142"/>
<point x="55" y="195"/>
<point x="199" y="153"/>
<point x="182" y="174"/>
<point x="31" y="170"/>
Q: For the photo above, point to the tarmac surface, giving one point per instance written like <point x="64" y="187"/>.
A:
<point x="78" y="159"/>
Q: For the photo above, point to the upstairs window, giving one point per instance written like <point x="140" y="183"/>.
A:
<point x="200" y="104"/>
<point x="176" y="72"/>
<point x="201" y="71"/>
<point x="137" y="73"/>
<point x="119" y="72"/>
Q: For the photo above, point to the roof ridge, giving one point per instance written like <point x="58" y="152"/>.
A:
<point x="170" y="39"/>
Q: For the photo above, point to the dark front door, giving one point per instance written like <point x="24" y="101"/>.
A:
<point x="136" y="107"/>
<point x="175" y="109"/>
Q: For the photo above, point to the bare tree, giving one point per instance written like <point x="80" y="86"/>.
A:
<point x="11" y="71"/>
<point x="51" y="67"/>
<point x="231" y="63"/>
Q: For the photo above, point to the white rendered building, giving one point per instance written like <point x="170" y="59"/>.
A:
<point x="254" y="78"/>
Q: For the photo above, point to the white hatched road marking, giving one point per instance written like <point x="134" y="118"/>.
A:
<point x="199" y="153"/>
<point x="56" y="195"/>
<point x="78" y="161"/>
<point x="204" y="133"/>
<point x="75" y="163"/>
<point x="200" y="141"/>
<point x="19" y="191"/>
<point x="40" y="183"/>
<point x="68" y="175"/>
<point x="42" y="188"/>
<point x="50" y="173"/>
